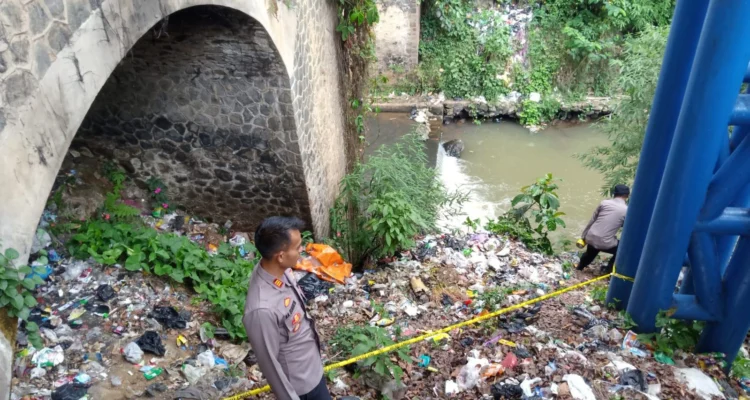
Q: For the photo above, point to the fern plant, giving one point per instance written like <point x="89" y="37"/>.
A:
<point x="112" y="205"/>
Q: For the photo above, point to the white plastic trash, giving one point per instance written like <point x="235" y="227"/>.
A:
<point x="578" y="387"/>
<point x="699" y="382"/>
<point x="133" y="353"/>
<point x="206" y="359"/>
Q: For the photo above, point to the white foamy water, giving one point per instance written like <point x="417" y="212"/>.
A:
<point x="453" y="175"/>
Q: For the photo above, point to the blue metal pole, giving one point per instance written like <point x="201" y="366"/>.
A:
<point x="673" y="78"/>
<point x="705" y="273"/>
<point x="726" y="336"/>
<point x="718" y="68"/>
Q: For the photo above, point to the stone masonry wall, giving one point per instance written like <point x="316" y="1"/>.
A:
<point x="318" y="104"/>
<point x="397" y="36"/>
<point x="204" y="103"/>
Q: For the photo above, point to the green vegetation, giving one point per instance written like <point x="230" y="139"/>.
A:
<point x="575" y="45"/>
<point x="639" y="72"/>
<point x="352" y="341"/>
<point x="492" y="298"/>
<point x="674" y="335"/>
<point x="463" y="51"/>
<point x="538" y="201"/>
<point x="17" y="291"/>
<point x="741" y="367"/>
<point x="221" y="279"/>
<point x="390" y="198"/>
<point x="112" y="205"/>
<point x="599" y="293"/>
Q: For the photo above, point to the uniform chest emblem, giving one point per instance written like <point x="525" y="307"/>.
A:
<point x="287" y="301"/>
<point x="278" y="283"/>
<point x="296" y="318"/>
<point x="296" y="328"/>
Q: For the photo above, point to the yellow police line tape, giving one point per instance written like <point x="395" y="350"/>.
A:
<point x="446" y="329"/>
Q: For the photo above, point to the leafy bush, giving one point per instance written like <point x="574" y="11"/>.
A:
<point x="584" y="38"/>
<point x="386" y="201"/>
<point x="221" y="279"/>
<point x="674" y="335"/>
<point x="353" y="341"/>
<point x="465" y="50"/>
<point x="639" y="72"/>
<point x="17" y="292"/>
<point x="540" y="201"/>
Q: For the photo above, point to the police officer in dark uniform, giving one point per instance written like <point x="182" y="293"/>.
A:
<point x="280" y="330"/>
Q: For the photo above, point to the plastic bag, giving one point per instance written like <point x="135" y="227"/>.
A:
<point x="48" y="357"/>
<point x="634" y="378"/>
<point x="151" y="342"/>
<point x="326" y="263"/>
<point x="468" y="377"/>
<point x="69" y="391"/>
<point x="105" y="293"/>
<point x="168" y="317"/>
<point x="206" y="359"/>
<point x="312" y="286"/>
<point x="133" y="353"/>
<point x="506" y="391"/>
<point x="193" y="374"/>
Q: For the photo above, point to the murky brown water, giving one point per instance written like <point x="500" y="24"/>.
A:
<point x="500" y="158"/>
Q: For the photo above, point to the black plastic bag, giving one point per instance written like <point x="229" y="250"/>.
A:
<point x="69" y="391"/>
<point x="520" y="352"/>
<point x="150" y="341"/>
<point x="313" y="287"/>
<point x="634" y="378"/>
<point x="105" y="293"/>
<point x="506" y="392"/>
<point x="169" y="317"/>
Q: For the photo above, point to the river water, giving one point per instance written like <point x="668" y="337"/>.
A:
<point x="500" y="158"/>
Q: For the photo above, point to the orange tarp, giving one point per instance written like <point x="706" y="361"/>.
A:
<point x="325" y="262"/>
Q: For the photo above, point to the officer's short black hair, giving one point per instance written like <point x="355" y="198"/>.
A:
<point x="273" y="235"/>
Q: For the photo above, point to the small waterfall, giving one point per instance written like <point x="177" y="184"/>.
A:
<point x="452" y="174"/>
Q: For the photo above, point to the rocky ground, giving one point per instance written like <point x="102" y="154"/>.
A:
<point x="114" y="334"/>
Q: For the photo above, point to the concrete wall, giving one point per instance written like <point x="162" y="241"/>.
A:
<point x="56" y="55"/>
<point x="397" y="36"/>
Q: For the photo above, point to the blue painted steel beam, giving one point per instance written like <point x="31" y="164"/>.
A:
<point x="705" y="273"/>
<point x="727" y="336"/>
<point x="688" y="307"/>
<point x="728" y="182"/>
<point x="733" y="221"/>
<point x="718" y="69"/>
<point x="741" y="112"/>
<point x="675" y="72"/>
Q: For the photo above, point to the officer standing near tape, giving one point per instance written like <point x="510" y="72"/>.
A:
<point x="280" y="330"/>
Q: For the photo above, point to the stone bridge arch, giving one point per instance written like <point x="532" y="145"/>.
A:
<point x="56" y="56"/>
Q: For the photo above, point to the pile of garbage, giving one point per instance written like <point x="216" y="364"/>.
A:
<point x="110" y="333"/>
<point x="565" y="347"/>
<point x="115" y="334"/>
